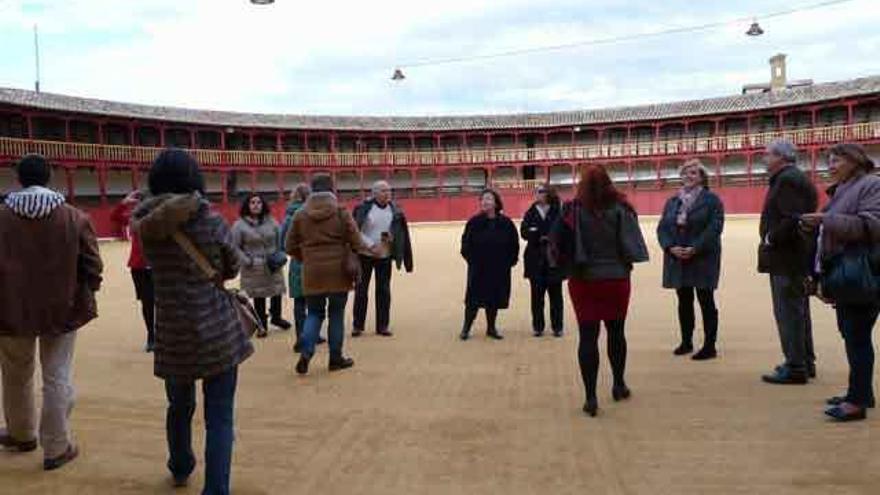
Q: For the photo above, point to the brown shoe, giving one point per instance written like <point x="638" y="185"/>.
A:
<point x="7" y="442"/>
<point x="57" y="462"/>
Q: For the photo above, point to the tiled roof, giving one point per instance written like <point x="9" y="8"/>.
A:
<point x="710" y="106"/>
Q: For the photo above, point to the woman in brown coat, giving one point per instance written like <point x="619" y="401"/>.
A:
<point x="322" y="237"/>
<point x="256" y="235"/>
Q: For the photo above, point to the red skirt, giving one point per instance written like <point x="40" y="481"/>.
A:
<point x="596" y="300"/>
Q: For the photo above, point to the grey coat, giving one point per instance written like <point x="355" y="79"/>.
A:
<point x="198" y="333"/>
<point x="255" y="242"/>
<point x="705" y="222"/>
<point x="851" y="215"/>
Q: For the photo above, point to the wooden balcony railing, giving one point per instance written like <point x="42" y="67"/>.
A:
<point x="83" y="153"/>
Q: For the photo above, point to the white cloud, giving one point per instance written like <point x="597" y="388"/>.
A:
<point x="336" y="56"/>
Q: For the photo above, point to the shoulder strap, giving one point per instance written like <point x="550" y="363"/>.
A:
<point x="198" y="258"/>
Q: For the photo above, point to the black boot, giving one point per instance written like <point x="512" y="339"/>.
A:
<point x="340" y="363"/>
<point x="264" y="331"/>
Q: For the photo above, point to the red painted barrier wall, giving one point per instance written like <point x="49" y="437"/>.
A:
<point x="459" y="208"/>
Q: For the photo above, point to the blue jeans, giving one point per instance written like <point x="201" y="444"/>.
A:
<point x="219" y="392"/>
<point x="856" y="323"/>
<point x="320" y="308"/>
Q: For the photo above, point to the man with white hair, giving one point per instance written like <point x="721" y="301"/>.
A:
<point x="383" y="226"/>
<point x="784" y="254"/>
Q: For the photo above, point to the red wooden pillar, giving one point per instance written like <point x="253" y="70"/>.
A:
<point x="685" y="138"/>
<point x="813" y="120"/>
<point x="279" y="184"/>
<point x="361" y="184"/>
<point x="161" y="136"/>
<point x="193" y="139"/>
<point x="849" y="119"/>
<point x="71" y="185"/>
<point x="780" y="123"/>
<point x="224" y="186"/>
<point x="601" y="135"/>
<point x="250" y="136"/>
<point x="413" y="184"/>
<point x="716" y="139"/>
<point x="66" y="130"/>
<point x="747" y="142"/>
<point x="574" y="175"/>
<point x="441" y="181"/>
<point x="279" y="146"/>
<point x="132" y="134"/>
<point x="814" y="158"/>
<point x="333" y="144"/>
<point x="306" y="141"/>
<point x="749" y="166"/>
<point x="438" y="149"/>
<point x="629" y="174"/>
<point x="135" y="178"/>
<point x="412" y="149"/>
<point x="29" y="124"/>
<point x="658" y="164"/>
<point x="656" y="147"/>
<point x="253" y="174"/>
<point x="223" y="140"/>
<point x="100" y="133"/>
<point x="385" y="157"/>
<point x="101" y="170"/>
<point x="627" y="141"/>
<point x="489" y="176"/>
<point x="718" y="169"/>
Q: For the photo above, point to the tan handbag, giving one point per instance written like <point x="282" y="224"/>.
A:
<point x="351" y="263"/>
<point x="247" y="315"/>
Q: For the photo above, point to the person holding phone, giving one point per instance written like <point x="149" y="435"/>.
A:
<point x="384" y="230"/>
<point x="544" y="279"/>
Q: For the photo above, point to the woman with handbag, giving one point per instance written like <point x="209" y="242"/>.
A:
<point x="324" y="238"/>
<point x="198" y="334"/>
<point x="689" y="232"/>
<point x="598" y="239"/>
<point x="490" y="246"/>
<point x="848" y="233"/>
<point x="257" y="236"/>
<point x="543" y="278"/>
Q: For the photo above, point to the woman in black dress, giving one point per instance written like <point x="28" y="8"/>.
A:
<point x="490" y="246"/>
<point x="544" y="279"/>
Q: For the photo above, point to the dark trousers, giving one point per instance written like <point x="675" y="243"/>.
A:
<point x="470" y="314"/>
<point x="554" y="290"/>
<point x="687" y="319"/>
<point x="382" y="267"/>
<point x="299" y="315"/>
<point x="145" y="292"/>
<point x="791" y="308"/>
<point x="856" y="323"/>
<point x="588" y="353"/>
<point x="219" y="396"/>
<point x="274" y="307"/>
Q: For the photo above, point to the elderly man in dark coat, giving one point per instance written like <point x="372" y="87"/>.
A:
<point x="785" y="255"/>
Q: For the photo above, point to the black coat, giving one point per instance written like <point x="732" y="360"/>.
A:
<point x="533" y="229"/>
<point x="491" y="249"/>
<point x="705" y="222"/>
<point x="784" y="250"/>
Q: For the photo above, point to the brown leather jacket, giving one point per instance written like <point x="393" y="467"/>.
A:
<point x="50" y="267"/>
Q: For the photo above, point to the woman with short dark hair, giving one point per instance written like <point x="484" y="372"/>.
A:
<point x="849" y="227"/>
<point x="198" y="335"/>
<point x="690" y="235"/>
<point x="490" y="246"/>
<point x="258" y="236"/>
<point x="598" y="239"/>
<point x="544" y="279"/>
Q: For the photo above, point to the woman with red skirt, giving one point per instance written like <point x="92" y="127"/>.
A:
<point x="597" y="240"/>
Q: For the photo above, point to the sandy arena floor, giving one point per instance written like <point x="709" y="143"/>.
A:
<point x="424" y="413"/>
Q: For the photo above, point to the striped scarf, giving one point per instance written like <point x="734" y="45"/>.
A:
<point x="687" y="197"/>
<point x="35" y="202"/>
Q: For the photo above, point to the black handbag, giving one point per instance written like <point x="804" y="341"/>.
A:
<point x="276" y="261"/>
<point x="853" y="276"/>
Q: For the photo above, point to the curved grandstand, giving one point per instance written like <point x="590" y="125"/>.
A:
<point x="434" y="164"/>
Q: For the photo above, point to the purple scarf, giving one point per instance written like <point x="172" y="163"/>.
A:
<point x="687" y="198"/>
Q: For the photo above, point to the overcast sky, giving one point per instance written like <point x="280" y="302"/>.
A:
<point x="336" y="57"/>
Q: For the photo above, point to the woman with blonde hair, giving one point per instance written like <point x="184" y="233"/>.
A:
<point x="690" y="235"/>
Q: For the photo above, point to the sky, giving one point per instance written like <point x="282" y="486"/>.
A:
<point x="336" y="57"/>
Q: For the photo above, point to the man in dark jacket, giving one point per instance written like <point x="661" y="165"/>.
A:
<point x="784" y="254"/>
<point x="383" y="226"/>
<point x="49" y="273"/>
